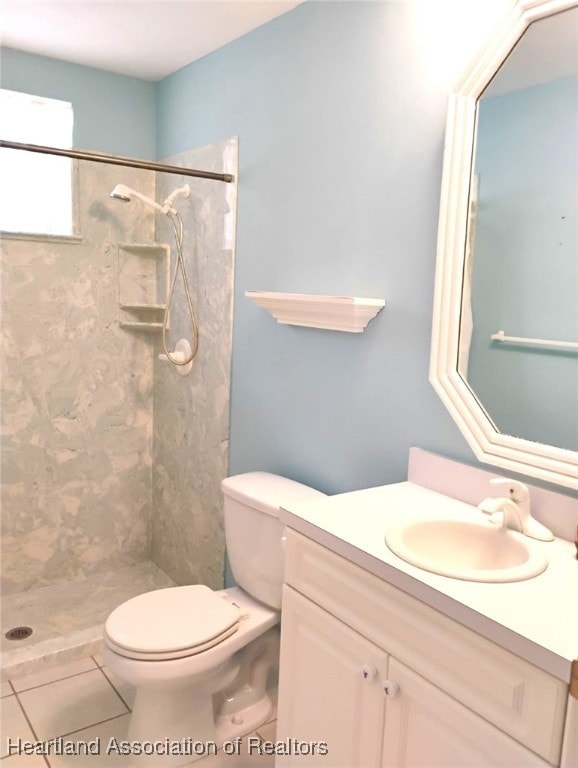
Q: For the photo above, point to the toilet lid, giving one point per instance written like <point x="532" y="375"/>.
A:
<point x="172" y="620"/>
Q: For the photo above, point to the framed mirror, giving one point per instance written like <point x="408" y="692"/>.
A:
<point x="504" y="356"/>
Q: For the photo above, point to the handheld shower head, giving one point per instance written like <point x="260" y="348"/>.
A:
<point x="120" y="192"/>
<point x="126" y="194"/>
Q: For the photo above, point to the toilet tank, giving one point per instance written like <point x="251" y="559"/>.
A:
<point x="253" y="530"/>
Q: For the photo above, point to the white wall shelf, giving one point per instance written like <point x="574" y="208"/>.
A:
<point x="336" y="313"/>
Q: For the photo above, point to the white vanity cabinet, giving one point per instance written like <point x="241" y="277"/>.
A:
<point x="330" y="688"/>
<point x="386" y="680"/>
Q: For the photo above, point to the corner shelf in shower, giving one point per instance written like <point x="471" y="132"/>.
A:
<point x="141" y="325"/>
<point x="143" y="279"/>
<point x="335" y="313"/>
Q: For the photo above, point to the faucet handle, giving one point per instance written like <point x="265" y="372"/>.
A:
<point x="492" y="505"/>
<point x="517" y="491"/>
<point x="519" y="494"/>
<point x="502" y="511"/>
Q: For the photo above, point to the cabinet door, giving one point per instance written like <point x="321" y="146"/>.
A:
<point x="329" y="690"/>
<point x="426" y="728"/>
<point x="570" y="745"/>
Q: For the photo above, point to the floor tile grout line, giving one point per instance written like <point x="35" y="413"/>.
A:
<point x="21" y="705"/>
<point x="77" y="730"/>
<point x="93" y="725"/>
<point x="51" y="682"/>
<point x="120" y="696"/>
<point x="71" y="733"/>
<point x="11" y="691"/>
<point x="33" y="730"/>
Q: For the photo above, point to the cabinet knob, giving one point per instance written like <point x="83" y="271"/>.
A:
<point x="368" y="672"/>
<point x="390" y="689"/>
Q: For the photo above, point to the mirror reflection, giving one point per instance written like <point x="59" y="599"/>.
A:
<point x="521" y="268"/>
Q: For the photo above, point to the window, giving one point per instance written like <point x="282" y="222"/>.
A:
<point x="35" y="189"/>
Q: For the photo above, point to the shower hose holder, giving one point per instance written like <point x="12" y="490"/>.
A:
<point x="181" y="351"/>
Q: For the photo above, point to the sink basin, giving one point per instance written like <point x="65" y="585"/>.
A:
<point x="470" y="550"/>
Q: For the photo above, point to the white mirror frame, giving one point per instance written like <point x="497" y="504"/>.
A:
<point x="546" y="462"/>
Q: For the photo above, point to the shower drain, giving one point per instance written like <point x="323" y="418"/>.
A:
<point x="18" y="633"/>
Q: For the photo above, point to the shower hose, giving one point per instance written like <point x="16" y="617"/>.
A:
<point x="175" y="218"/>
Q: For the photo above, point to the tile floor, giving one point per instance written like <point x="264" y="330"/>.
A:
<point x="83" y="700"/>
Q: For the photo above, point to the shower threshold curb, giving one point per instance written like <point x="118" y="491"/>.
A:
<point x="68" y="619"/>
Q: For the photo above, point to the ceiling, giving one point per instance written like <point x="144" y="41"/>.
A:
<point x="148" y="39"/>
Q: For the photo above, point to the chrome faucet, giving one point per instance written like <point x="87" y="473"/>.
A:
<point x="514" y="510"/>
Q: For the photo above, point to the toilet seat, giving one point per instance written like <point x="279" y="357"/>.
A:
<point x="171" y="623"/>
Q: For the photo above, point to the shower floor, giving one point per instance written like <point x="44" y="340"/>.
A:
<point x="67" y="619"/>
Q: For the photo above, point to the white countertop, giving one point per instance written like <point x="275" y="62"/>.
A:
<point x="536" y="619"/>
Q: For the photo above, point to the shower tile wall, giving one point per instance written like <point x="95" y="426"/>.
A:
<point x="81" y="494"/>
<point x="191" y="413"/>
<point x="77" y="396"/>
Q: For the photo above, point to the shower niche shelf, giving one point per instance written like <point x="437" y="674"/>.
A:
<point x="143" y="279"/>
<point x="335" y="313"/>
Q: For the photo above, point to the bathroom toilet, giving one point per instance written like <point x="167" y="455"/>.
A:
<point x="199" y="658"/>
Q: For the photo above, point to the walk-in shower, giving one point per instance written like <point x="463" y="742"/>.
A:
<point x="111" y="465"/>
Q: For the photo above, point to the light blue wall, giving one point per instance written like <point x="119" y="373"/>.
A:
<point x="340" y="111"/>
<point x="112" y="113"/>
<point x="525" y="273"/>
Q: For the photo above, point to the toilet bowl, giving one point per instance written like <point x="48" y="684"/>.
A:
<point x="199" y="659"/>
<point x="175" y="689"/>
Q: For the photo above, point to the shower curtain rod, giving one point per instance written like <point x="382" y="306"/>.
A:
<point x="116" y="160"/>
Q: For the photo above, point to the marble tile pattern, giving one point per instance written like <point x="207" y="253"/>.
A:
<point x="77" y="396"/>
<point x="68" y="618"/>
<point x="191" y="413"/>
